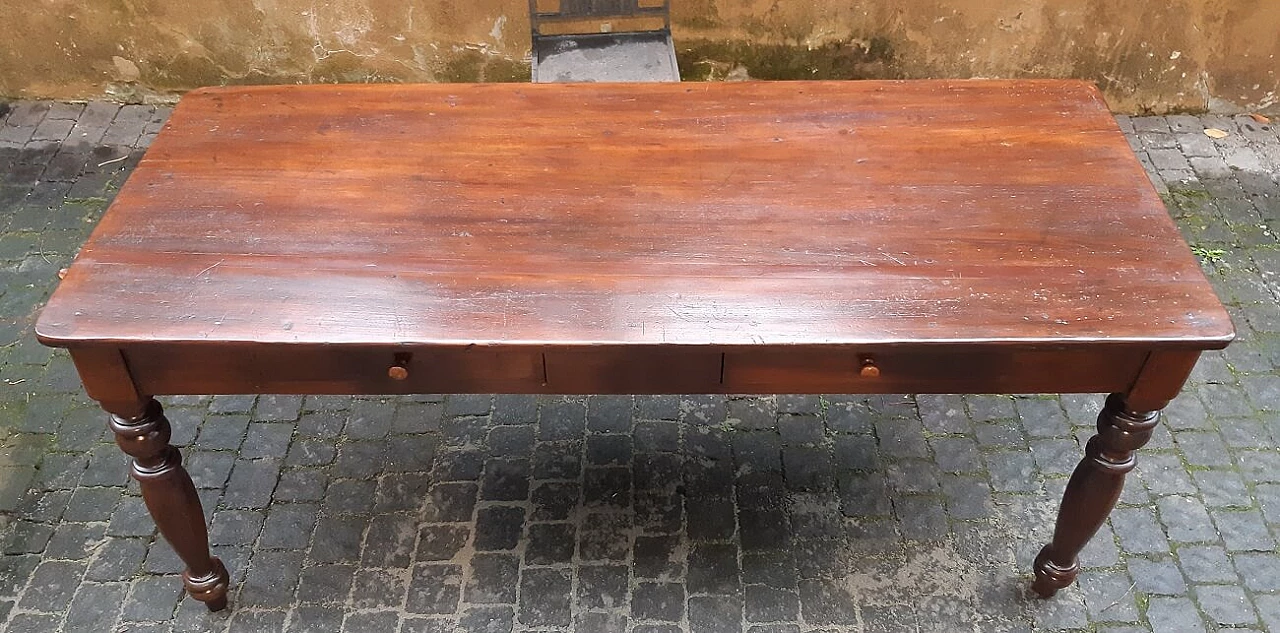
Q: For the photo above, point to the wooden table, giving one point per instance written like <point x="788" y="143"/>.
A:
<point x="825" y="237"/>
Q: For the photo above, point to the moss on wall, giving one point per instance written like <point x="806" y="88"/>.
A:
<point x="702" y="60"/>
<point x="469" y="66"/>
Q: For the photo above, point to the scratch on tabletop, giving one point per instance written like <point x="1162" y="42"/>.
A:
<point x="895" y="259"/>
<point x="215" y="265"/>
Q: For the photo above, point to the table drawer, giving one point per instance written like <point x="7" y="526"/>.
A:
<point x="922" y="370"/>
<point x="334" y="370"/>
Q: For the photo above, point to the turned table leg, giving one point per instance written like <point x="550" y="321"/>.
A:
<point x="1092" y="491"/>
<point x="171" y="499"/>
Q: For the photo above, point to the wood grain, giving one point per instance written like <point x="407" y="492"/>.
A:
<point x="107" y="379"/>
<point x="929" y="212"/>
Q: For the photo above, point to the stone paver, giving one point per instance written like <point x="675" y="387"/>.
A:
<point x="648" y="514"/>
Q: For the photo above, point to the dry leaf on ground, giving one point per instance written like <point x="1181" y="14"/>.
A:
<point x="1214" y="132"/>
<point x="1260" y="118"/>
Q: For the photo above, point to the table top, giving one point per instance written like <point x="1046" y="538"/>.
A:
<point x="826" y="213"/>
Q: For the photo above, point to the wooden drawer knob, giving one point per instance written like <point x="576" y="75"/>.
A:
<point x="869" y="369"/>
<point x="400" y="369"/>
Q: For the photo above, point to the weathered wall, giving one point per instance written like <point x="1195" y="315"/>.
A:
<point x="1148" y="55"/>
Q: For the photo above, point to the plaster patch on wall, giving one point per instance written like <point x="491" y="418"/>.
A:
<point x="346" y="21"/>
<point x="125" y="69"/>
<point x="498" y="24"/>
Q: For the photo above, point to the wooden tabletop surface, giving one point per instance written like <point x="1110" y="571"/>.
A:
<point x="671" y="214"/>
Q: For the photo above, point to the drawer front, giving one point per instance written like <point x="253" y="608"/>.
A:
<point x="920" y="370"/>
<point x="335" y="370"/>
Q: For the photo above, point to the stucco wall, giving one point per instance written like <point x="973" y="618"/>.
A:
<point x="1148" y="55"/>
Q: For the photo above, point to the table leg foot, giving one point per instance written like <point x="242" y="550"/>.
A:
<point x="172" y="501"/>
<point x="210" y="589"/>
<point x="1092" y="491"/>
<point x="1049" y="576"/>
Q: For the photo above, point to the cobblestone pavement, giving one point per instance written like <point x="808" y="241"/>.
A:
<point x="770" y="514"/>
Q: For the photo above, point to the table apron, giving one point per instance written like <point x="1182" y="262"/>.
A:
<point x="336" y="369"/>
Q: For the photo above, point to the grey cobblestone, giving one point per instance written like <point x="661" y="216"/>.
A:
<point x="1174" y="615"/>
<point x="1243" y="530"/>
<point x="1156" y="576"/>
<point x="642" y="514"/>
<point x="1227" y="606"/>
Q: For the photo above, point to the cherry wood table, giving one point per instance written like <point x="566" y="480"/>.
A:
<point x="824" y="237"/>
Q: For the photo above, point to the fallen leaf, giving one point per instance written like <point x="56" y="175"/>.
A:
<point x="1214" y="132"/>
<point x="1260" y="118"/>
<point x="62" y="273"/>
